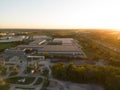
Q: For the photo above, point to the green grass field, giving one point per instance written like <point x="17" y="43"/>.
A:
<point x="15" y="80"/>
<point x="6" y="45"/>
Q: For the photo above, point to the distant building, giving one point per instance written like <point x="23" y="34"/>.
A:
<point x="11" y="34"/>
<point x="12" y="38"/>
<point x="3" y="34"/>
<point x="41" y="37"/>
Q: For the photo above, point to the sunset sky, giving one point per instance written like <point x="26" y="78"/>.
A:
<point x="60" y="14"/>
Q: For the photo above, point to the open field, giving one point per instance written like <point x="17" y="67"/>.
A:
<point x="7" y="45"/>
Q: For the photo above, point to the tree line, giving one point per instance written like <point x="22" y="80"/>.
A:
<point x="107" y="76"/>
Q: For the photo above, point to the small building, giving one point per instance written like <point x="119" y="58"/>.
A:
<point x="34" y="59"/>
<point x="14" y="52"/>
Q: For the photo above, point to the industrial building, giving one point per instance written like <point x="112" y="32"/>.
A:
<point x="66" y="46"/>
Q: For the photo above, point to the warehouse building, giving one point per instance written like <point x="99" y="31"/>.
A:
<point x="66" y="46"/>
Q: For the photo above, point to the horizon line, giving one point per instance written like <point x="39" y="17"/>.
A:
<point x="61" y="29"/>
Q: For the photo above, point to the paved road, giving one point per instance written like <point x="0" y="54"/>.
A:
<point x="63" y="85"/>
<point x="60" y="83"/>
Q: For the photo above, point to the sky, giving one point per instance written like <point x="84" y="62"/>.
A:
<point x="61" y="14"/>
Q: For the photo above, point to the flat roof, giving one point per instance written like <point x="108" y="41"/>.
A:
<point x="64" y="40"/>
<point x="60" y="48"/>
<point x="68" y="45"/>
<point x="29" y="46"/>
